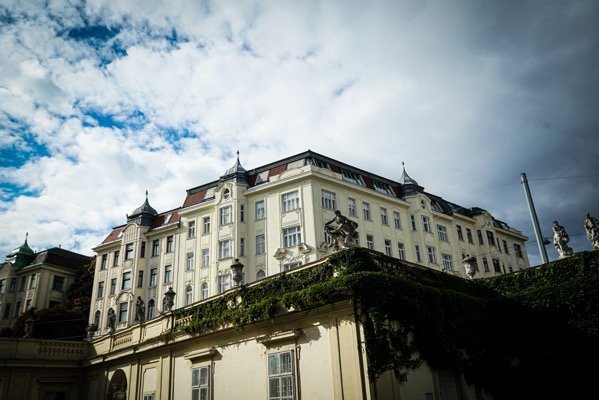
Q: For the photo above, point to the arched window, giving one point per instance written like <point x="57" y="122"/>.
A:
<point x="188" y="295"/>
<point x="97" y="318"/>
<point x="151" y="309"/>
<point x="204" y="290"/>
<point x="260" y="274"/>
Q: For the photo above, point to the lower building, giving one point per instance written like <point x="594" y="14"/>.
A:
<point x="37" y="280"/>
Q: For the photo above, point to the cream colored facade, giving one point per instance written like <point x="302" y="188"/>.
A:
<point x="272" y="219"/>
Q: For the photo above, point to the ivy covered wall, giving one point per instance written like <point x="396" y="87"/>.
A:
<point x="523" y="335"/>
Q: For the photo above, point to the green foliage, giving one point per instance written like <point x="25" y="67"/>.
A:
<point x="520" y="327"/>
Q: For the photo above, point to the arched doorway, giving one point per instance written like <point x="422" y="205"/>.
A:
<point x="117" y="388"/>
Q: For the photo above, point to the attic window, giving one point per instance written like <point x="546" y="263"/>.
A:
<point x="168" y="218"/>
<point x="317" y="163"/>
<point x="436" y="206"/>
<point x="384" y="188"/>
<point x="352" y="178"/>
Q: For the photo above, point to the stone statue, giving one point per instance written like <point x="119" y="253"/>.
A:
<point x="140" y="310"/>
<point x="342" y="231"/>
<point x="560" y="240"/>
<point x="111" y="320"/>
<point x="121" y="394"/>
<point x="91" y="330"/>
<point x="469" y="263"/>
<point x="591" y="225"/>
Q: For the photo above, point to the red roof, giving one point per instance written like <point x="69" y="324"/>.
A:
<point x="194" y="198"/>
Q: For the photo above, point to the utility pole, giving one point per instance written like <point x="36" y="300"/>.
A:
<point x="535" y="221"/>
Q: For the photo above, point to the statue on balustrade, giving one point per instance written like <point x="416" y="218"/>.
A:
<point x="342" y="230"/>
<point x="140" y="310"/>
<point x="469" y="263"/>
<point x="111" y="320"/>
<point x="591" y="225"/>
<point x="560" y="240"/>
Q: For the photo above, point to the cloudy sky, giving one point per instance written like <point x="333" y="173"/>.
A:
<point x="101" y="100"/>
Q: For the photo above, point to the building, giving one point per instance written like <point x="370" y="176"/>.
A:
<point x="35" y="280"/>
<point x="272" y="219"/>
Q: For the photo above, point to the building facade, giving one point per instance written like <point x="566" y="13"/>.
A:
<point x="272" y="219"/>
<point x="35" y="280"/>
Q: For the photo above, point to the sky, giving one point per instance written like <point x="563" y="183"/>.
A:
<point x="101" y="100"/>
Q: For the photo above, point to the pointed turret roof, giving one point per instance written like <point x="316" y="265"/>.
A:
<point x="236" y="173"/>
<point x="405" y="179"/>
<point x="145" y="208"/>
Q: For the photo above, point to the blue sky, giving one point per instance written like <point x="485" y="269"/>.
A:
<point x="102" y="100"/>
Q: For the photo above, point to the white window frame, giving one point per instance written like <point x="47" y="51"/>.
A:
<point x="447" y="263"/>
<point x="129" y="251"/>
<point x="287" y="267"/>
<point x="205" y="292"/>
<point x="426" y="224"/>
<point x="168" y="272"/>
<point x="442" y="233"/>
<point x="279" y="377"/>
<point x="224" y="249"/>
<point x="191" y="229"/>
<point x="352" y="178"/>
<point x="432" y="255"/>
<point x="206" y="225"/>
<point x="200" y="388"/>
<point x="225" y="216"/>
<point x="418" y="255"/>
<point x="388" y="250"/>
<point x="188" y="295"/>
<point x="370" y="242"/>
<point x="292" y="236"/>
<point x="366" y="211"/>
<point x="328" y="200"/>
<point x="260" y="244"/>
<point x="384" y="219"/>
<point x="205" y="258"/>
<point x="190" y="261"/>
<point x="397" y="219"/>
<point x="413" y="221"/>
<point x="290" y="201"/>
<point x="351" y="206"/>
<point x="401" y="251"/>
<point x="224" y="283"/>
<point x="260" y="210"/>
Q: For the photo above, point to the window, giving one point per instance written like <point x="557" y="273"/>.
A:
<point x="383" y="188"/>
<point x="442" y="232"/>
<point x="155" y="247"/>
<point x="112" y="286"/>
<point x="140" y="279"/>
<point x="260" y="244"/>
<point x="33" y="281"/>
<point x="224" y="249"/>
<point x="260" y="275"/>
<point x="116" y="258"/>
<point x="287" y="267"/>
<point x="370" y="242"/>
<point x="352" y="178"/>
<point x="148" y="396"/>
<point x="204" y="290"/>
<point x="169" y="244"/>
<point x="260" y="214"/>
<point x="280" y="376"/>
<point x="242" y="246"/>
<point x="460" y="233"/>
<point x="104" y="261"/>
<point x="153" y="277"/>
<point x="151" y="306"/>
<point x="480" y="236"/>
<point x="418" y="257"/>
<point x="388" y="248"/>
<point x="401" y="251"/>
<point x="292" y="236"/>
<point x="383" y="216"/>
<point x="142" y="250"/>
<point x="225" y="215"/>
<point x="241" y="212"/>
<point x="469" y="235"/>
<point x="447" y="264"/>
<point x="7" y="310"/>
<point x="351" y="206"/>
<point x="13" y="285"/>
<point x="191" y="229"/>
<point x="97" y="317"/>
<point x="328" y="200"/>
<point x="485" y="264"/>
<point x="188" y="295"/>
<point x="396" y="220"/>
<point x="518" y="250"/>
<point x="2" y="285"/>
<point x="126" y="284"/>
<point x="18" y="309"/>
<point x="366" y="210"/>
<point x="496" y="265"/>
<point x="224" y="283"/>
<point x="426" y="224"/>
<point x="27" y="304"/>
<point x="123" y="312"/>
<point x="423" y="204"/>
<point x="200" y="383"/>
<point x="128" y="251"/>
<point x="189" y="265"/>
<point x="167" y="273"/>
<point x="432" y="257"/>
<point x="290" y="201"/>
<point x="206" y="225"/>
<point x="205" y="258"/>
<point x="23" y="283"/>
<point x="413" y="222"/>
<point x="490" y="238"/>
<point x="58" y="283"/>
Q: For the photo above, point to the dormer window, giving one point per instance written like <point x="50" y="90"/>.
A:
<point x="352" y="178"/>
